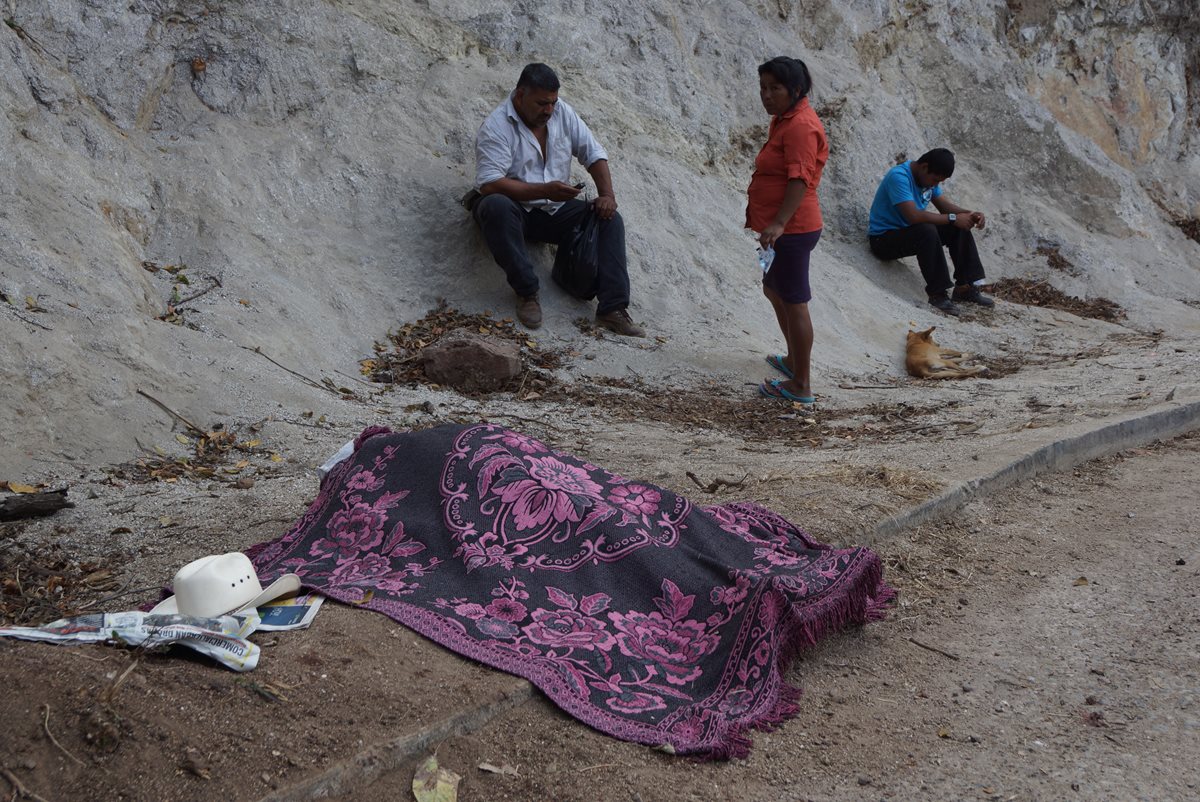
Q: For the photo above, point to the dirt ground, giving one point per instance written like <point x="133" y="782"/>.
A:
<point x="1044" y="647"/>
<point x="1002" y="674"/>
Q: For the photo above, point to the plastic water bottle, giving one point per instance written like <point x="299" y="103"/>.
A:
<point x="765" y="257"/>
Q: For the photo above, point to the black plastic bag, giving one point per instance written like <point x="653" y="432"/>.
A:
<point x="469" y="200"/>
<point x="578" y="258"/>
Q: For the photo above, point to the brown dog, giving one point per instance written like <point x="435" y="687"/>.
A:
<point x="925" y="359"/>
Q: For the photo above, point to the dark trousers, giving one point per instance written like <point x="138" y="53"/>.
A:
<point x="925" y="241"/>
<point x="506" y="225"/>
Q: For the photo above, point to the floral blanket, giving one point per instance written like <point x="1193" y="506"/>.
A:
<point x="643" y="615"/>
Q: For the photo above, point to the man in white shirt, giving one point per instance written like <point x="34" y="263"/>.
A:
<point x="523" y="154"/>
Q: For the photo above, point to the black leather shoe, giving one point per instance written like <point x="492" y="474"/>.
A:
<point x="971" y="295"/>
<point x="944" y="304"/>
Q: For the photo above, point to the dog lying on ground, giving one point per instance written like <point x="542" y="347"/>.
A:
<point x="925" y="359"/>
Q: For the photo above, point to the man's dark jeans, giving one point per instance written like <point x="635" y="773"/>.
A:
<point x="506" y="225"/>
<point x="925" y="241"/>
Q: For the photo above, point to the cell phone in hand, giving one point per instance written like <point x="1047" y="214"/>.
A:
<point x="579" y="185"/>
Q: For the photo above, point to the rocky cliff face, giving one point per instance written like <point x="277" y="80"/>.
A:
<point x="299" y="162"/>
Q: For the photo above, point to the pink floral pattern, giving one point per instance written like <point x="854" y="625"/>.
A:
<point x="536" y="562"/>
<point x="510" y="505"/>
<point x="635" y="499"/>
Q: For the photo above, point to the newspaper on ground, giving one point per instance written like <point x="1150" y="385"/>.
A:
<point x="223" y="639"/>
<point x="289" y="612"/>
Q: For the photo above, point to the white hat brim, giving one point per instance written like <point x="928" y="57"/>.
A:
<point x="284" y="585"/>
<point x="168" y="606"/>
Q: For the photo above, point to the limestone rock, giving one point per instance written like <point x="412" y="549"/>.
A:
<point x="471" y="362"/>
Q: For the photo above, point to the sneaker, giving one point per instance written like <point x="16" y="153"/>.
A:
<point x="619" y="321"/>
<point x="529" y="311"/>
<point x="944" y="304"/>
<point x="972" y="295"/>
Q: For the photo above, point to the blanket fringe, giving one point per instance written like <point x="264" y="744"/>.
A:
<point x="870" y="600"/>
<point x="368" y="433"/>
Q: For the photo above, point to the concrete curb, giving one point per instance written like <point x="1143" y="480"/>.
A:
<point x="355" y="773"/>
<point x="1056" y="456"/>
<point x="364" y="768"/>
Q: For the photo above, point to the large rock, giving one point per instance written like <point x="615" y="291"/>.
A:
<point x="472" y="362"/>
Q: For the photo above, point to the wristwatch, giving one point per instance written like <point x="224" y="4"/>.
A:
<point x="952" y="217"/>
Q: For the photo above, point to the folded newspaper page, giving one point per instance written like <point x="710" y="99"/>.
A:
<point x="289" y="612"/>
<point x="223" y="639"/>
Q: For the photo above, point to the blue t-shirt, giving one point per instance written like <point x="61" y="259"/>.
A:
<point x="897" y="187"/>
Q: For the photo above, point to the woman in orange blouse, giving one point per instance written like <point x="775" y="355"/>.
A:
<point x="783" y="209"/>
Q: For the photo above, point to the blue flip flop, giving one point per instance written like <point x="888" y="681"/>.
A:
<point x="773" y="388"/>
<point x="776" y="361"/>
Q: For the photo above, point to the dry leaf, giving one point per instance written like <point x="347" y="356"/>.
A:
<point x="1083" y="580"/>
<point x="506" y="770"/>
<point x="183" y="439"/>
<point x="943" y="733"/>
<point x="98" y="577"/>
<point x="20" y="488"/>
<point x="434" y="784"/>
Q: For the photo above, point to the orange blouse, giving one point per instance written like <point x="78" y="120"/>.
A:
<point x="796" y="148"/>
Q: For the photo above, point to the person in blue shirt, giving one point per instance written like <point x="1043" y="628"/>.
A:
<point x="901" y="225"/>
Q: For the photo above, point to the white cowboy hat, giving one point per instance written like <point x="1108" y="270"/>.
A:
<point x="220" y="584"/>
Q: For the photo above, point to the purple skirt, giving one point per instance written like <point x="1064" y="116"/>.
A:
<point x="788" y="275"/>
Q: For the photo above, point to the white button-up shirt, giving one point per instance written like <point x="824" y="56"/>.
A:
<point x="506" y="148"/>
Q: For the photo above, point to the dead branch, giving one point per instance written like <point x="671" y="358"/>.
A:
<point x="19" y="788"/>
<point x="301" y="376"/>
<point x="32" y="505"/>
<point x="50" y="735"/>
<point x="358" y="379"/>
<point x="173" y="413"/>
<point x="126" y="591"/>
<point x="215" y="283"/>
<point x="933" y="649"/>
<point x="868" y="387"/>
<point x="109" y="693"/>
<point x="24" y="319"/>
